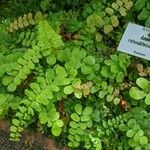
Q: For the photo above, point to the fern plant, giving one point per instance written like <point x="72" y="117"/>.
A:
<point x="25" y="21"/>
<point x="27" y="38"/>
<point x="107" y="19"/>
<point x="143" y="93"/>
<point x="116" y="67"/>
<point x="62" y="72"/>
<point x="144" y="8"/>
<point x="78" y="125"/>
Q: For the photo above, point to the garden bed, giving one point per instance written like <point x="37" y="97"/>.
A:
<point x="61" y="74"/>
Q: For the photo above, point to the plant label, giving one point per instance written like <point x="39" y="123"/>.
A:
<point x="136" y="41"/>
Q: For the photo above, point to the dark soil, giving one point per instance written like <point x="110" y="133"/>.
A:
<point x="29" y="140"/>
<point x="6" y="144"/>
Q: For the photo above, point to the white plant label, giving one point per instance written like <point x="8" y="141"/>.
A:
<point x="136" y="41"/>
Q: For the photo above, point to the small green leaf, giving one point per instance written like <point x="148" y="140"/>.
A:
<point x="137" y="94"/>
<point x="140" y="4"/>
<point x="73" y="62"/>
<point x="140" y="132"/>
<point x="83" y="53"/>
<point x="130" y="133"/>
<point x="73" y="72"/>
<point x="123" y="127"/>
<point x="13" y="129"/>
<point x="43" y="117"/>
<point x="110" y="88"/>
<point x="75" y="117"/>
<point x="86" y="69"/>
<point x="144" y="14"/>
<point x="147" y="22"/>
<point x="110" y="97"/>
<point x="132" y="143"/>
<point x="30" y="94"/>
<point x="60" y="71"/>
<point x="51" y="59"/>
<point x="36" y="88"/>
<point x="68" y="89"/>
<point x="85" y="118"/>
<point x="76" y="143"/>
<point x="89" y="60"/>
<point x="41" y="99"/>
<point x="7" y="80"/>
<point x="12" y="87"/>
<point x="78" y="93"/>
<point x="58" y="123"/>
<point x="30" y="111"/>
<point x="138" y="148"/>
<point x="114" y="57"/>
<point x="12" y="135"/>
<point x="54" y="115"/>
<point x="131" y="123"/>
<point x="36" y="106"/>
<point x="95" y="89"/>
<point x="17" y="80"/>
<point x="83" y="126"/>
<point x="49" y="124"/>
<point x="26" y="69"/>
<point x="22" y="74"/>
<point x="104" y="85"/>
<point x="73" y="124"/>
<point x="98" y="37"/>
<point x="70" y="144"/>
<point x="15" y="122"/>
<point x="50" y="75"/>
<point x="110" y="123"/>
<point x="96" y="67"/>
<point x="76" y="82"/>
<point x="46" y="93"/>
<point x="147" y="99"/>
<point x="136" y="127"/>
<point x="22" y="61"/>
<point x="77" y="138"/>
<point x="31" y="64"/>
<point x="108" y="28"/>
<point x="53" y="87"/>
<point x="116" y="101"/>
<point x="66" y="81"/>
<point x="56" y="130"/>
<point x="22" y="109"/>
<point x="87" y="110"/>
<point x="109" y="62"/>
<point x="114" y="21"/>
<point x="41" y="81"/>
<point x="114" y="68"/>
<point x="105" y="71"/>
<point x="102" y="94"/>
<point x="78" y="109"/>
<point x="119" y="77"/>
<point x="143" y="83"/>
<point x="136" y="138"/>
<point x="143" y="140"/>
<point x="79" y="131"/>
<point x="71" y="137"/>
<point x="72" y="131"/>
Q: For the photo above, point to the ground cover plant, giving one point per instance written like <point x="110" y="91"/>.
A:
<point x="60" y="72"/>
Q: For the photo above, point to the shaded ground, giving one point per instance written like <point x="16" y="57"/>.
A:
<point x="5" y="144"/>
<point x="29" y="141"/>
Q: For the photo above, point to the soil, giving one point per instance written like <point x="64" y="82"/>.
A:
<point x="29" y="140"/>
<point x="5" y="144"/>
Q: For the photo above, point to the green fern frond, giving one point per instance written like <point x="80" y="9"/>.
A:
<point x="25" y="21"/>
<point x="48" y="39"/>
